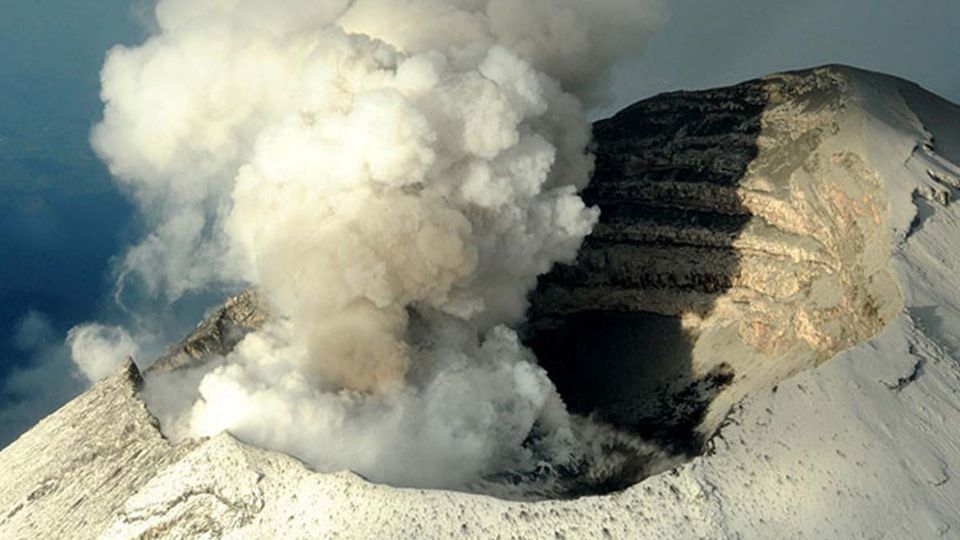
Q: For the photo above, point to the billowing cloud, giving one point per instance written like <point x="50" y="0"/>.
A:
<point x="393" y="177"/>
<point x="98" y="350"/>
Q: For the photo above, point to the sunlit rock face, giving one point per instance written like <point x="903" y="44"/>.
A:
<point x="217" y="334"/>
<point x="743" y="238"/>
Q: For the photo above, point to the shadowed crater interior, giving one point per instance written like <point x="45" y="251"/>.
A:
<point x="609" y="329"/>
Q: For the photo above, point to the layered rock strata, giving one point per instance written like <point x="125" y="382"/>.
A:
<point x="740" y="242"/>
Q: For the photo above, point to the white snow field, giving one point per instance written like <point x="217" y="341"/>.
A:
<point x="866" y="445"/>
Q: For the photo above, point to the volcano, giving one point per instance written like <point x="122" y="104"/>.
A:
<point x="771" y="297"/>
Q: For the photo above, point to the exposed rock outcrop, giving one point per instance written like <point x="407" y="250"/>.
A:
<point x="217" y="334"/>
<point x="740" y="242"/>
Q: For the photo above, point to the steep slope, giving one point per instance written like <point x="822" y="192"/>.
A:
<point x="864" y="446"/>
<point x="69" y="476"/>
<point x="217" y="334"/>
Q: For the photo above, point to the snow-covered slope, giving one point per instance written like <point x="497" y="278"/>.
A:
<point x="864" y="446"/>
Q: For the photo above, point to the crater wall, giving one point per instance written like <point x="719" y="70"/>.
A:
<point x="743" y="238"/>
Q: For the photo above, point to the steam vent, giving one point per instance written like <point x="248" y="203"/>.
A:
<point x="748" y="236"/>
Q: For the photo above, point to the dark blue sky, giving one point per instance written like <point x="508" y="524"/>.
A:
<point x="61" y="219"/>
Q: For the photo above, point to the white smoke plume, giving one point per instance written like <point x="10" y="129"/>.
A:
<point x="99" y="350"/>
<point x="392" y="175"/>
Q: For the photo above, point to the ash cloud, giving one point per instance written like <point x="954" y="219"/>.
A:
<point x="393" y="177"/>
<point x="99" y="350"/>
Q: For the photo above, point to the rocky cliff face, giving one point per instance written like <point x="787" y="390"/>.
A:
<point x="217" y="334"/>
<point x="738" y="245"/>
<point x="748" y="234"/>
